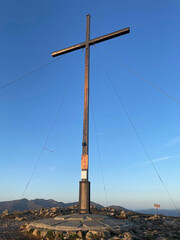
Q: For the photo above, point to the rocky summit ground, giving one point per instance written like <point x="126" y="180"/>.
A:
<point x="15" y="225"/>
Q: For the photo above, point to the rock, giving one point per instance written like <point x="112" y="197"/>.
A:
<point x="155" y="217"/>
<point x="114" y="238"/>
<point x="53" y="209"/>
<point x="127" y="236"/>
<point x="135" y="219"/>
<point x="105" y="234"/>
<point x="41" y="211"/>
<point x="5" y="213"/>
<point x="43" y="232"/>
<point x="170" y="223"/>
<point x="123" y="214"/>
<point x="5" y="225"/>
<point x="36" y="232"/>
<point x="88" y="235"/>
<point x="80" y="234"/>
<point x="19" y="219"/>
<point x="98" y="235"/>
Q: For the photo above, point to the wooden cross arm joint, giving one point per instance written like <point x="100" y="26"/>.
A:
<point x="91" y="42"/>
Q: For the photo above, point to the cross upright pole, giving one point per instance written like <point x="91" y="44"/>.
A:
<point x="84" y="184"/>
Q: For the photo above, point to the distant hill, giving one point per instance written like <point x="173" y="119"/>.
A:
<point x="172" y="212"/>
<point x="118" y="208"/>
<point x="25" y="204"/>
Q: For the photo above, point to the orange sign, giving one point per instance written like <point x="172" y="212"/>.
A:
<point x="157" y="205"/>
<point x="84" y="162"/>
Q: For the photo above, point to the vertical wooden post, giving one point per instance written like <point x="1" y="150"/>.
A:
<point x="86" y="92"/>
<point x="84" y="187"/>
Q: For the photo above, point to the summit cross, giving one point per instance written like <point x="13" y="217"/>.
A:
<point x="84" y="184"/>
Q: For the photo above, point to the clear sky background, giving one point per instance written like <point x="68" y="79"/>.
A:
<point x="29" y="32"/>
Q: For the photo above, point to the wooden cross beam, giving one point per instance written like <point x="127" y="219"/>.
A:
<point x="91" y="42"/>
<point x="84" y="187"/>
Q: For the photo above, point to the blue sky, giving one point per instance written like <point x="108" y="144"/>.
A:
<point x="30" y="31"/>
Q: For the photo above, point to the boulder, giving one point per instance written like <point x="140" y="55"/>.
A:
<point x="5" y="213"/>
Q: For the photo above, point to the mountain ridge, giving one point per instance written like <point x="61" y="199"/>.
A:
<point x="166" y="212"/>
<point x="25" y="204"/>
